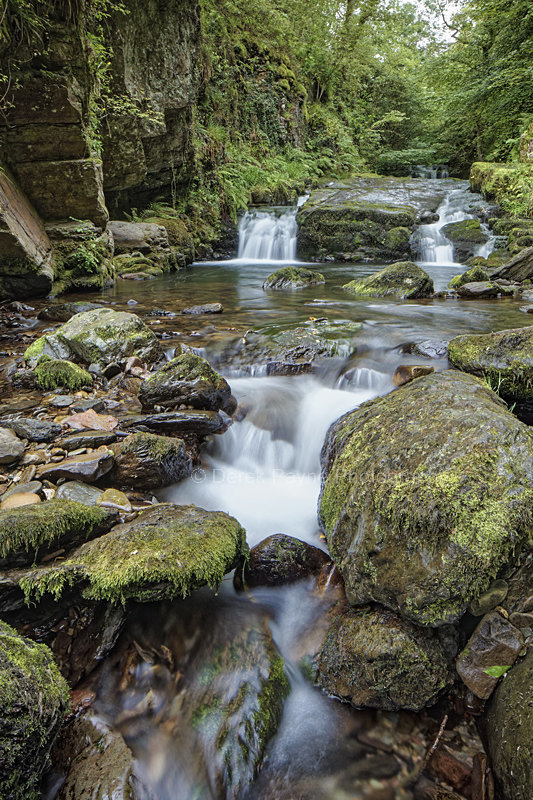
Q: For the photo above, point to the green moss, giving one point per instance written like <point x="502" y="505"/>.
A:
<point x="293" y="278"/>
<point x="403" y="280"/>
<point x="34" y="351"/>
<point x="158" y="447"/>
<point x="268" y="716"/>
<point x="51" y="374"/>
<point x="475" y="273"/>
<point x="187" y="367"/>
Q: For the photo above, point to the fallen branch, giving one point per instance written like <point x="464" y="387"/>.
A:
<point x="414" y="775"/>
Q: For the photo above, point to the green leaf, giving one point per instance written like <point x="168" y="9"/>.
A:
<point x="497" y="672"/>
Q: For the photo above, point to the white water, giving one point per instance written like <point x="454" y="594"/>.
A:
<point x="266" y="236"/>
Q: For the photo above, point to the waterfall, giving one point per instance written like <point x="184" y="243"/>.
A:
<point x="268" y="236"/>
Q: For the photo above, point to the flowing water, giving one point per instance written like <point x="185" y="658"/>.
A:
<point x="265" y="470"/>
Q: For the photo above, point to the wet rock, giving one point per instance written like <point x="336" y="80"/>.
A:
<point x="98" y="336"/>
<point x="89" y="467"/>
<point x="406" y="373"/>
<point x="113" y="498"/>
<point x="179" y="423"/>
<point x="404" y="280"/>
<point x="11" y="448"/>
<point x="94" y="403"/>
<point x="80" y="492"/>
<point x="189" y="380"/>
<point x="167" y="551"/>
<point x="279" y="560"/>
<point x="478" y="290"/>
<point x="413" y="483"/>
<point x="505" y="359"/>
<point x="54" y="374"/>
<point x="509" y="730"/>
<point x="27" y="534"/>
<point x="147" y="461"/>
<point x="466" y="237"/>
<point x="375" y="659"/>
<point x="94" y="439"/>
<point x="472" y="275"/>
<point x="60" y="400"/>
<point x="35" y="430"/>
<point x="33" y="700"/>
<point x="293" y="278"/>
<point x="430" y="348"/>
<point x="62" y="312"/>
<point x="31" y="486"/>
<point x="20" y="499"/>
<point x="491" y="650"/>
<point x="519" y="268"/>
<point x="97" y="762"/>
<point x="494" y="596"/>
<point x="207" y="308"/>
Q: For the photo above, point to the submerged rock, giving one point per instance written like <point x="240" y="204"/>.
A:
<point x="279" y="560"/>
<point x="188" y="380"/>
<point x="167" y="551"/>
<point x="293" y="278"/>
<point x="404" y="280"/>
<point x="509" y="731"/>
<point x="33" y="700"/>
<point x="148" y="461"/>
<point x="427" y="496"/>
<point x="98" y="336"/>
<point x="505" y="359"/>
<point x="471" y="275"/>
<point x="207" y="308"/>
<point x="375" y="659"/>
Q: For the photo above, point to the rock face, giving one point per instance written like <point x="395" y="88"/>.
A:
<point x="366" y="217"/>
<point x="33" y="700"/>
<point x="466" y="237"/>
<point x="404" y="280"/>
<point x="426" y="496"/>
<point x="504" y="358"/>
<point x="519" y="268"/>
<point x="509" y="725"/>
<point x="167" y="551"/>
<point x="376" y="659"/>
<point x="98" y="336"/>
<point x="147" y="461"/>
<point x="188" y="380"/>
<point x="293" y="278"/>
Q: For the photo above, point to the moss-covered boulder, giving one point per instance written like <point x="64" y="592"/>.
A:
<point x="148" y="461"/>
<point x="427" y="496"/>
<point x="31" y="532"/>
<point x="186" y="380"/>
<point x="167" y="551"/>
<point x="505" y="359"/>
<point x="98" y="336"/>
<point x="475" y="273"/>
<point x="466" y="236"/>
<point x="375" y="659"/>
<point x="52" y="374"/>
<point x="509" y="731"/>
<point x="33" y="700"/>
<point x="404" y="280"/>
<point x="293" y="278"/>
<point x="480" y="290"/>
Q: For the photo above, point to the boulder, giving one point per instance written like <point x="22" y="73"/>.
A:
<point x="426" y="496"/>
<point x="11" y="448"/>
<point x="472" y="275"/>
<point x="89" y="467"/>
<point x="279" y="560"/>
<point x="293" y="278"/>
<point x="62" y="312"/>
<point x="50" y="374"/>
<point x="28" y="534"/>
<point x="504" y="359"/>
<point x="147" y="461"/>
<point x="98" y="336"/>
<point x="167" y="551"/>
<point x="375" y="659"/>
<point x="479" y="290"/>
<point x="33" y="700"/>
<point x="509" y="731"/>
<point x="466" y="236"/>
<point x="406" y="373"/>
<point x="429" y="348"/>
<point x="35" y="430"/>
<point x="404" y="280"/>
<point x="519" y="268"/>
<point x="142" y="237"/>
<point x="186" y="380"/>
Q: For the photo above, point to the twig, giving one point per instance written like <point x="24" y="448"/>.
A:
<point x="413" y="776"/>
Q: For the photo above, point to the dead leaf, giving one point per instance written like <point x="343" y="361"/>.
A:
<point x="92" y="421"/>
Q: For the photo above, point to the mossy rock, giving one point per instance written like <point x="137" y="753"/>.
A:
<point x="30" y="532"/>
<point x="293" y="278"/>
<point x="404" y="280"/>
<point x="475" y="273"/>
<point x="148" y="461"/>
<point x="189" y="380"/>
<point x="33" y="700"/>
<point x="51" y="374"/>
<point x="466" y="236"/>
<point x="375" y="659"/>
<point x="167" y="551"/>
<point x="504" y="359"/>
<point x="98" y="336"/>
<point x="427" y="496"/>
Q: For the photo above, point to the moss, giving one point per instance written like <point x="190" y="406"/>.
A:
<point x="34" y="351"/>
<point x="158" y="447"/>
<point x="293" y="278"/>
<point x="51" y="374"/>
<point x="167" y="551"/>
<point x="276" y="688"/>
<point x="475" y="273"/>
<point x="468" y="230"/>
<point x="403" y="280"/>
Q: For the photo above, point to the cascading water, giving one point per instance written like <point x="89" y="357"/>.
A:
<point x="268" y="236"/>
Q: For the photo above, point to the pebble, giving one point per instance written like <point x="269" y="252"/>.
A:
<point x="20" y="499"/>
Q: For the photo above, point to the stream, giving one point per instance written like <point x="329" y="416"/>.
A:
<point x="265" y="471"/>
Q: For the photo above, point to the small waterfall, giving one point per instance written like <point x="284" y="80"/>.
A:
<point x="431" y="244"/>
<point x="268" y="236"/>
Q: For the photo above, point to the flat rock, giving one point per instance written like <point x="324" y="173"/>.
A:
<point x="519" y="268"/>
<point x="92" y="439"/>
<point x="11" y="448"/>
<point x="20" y="499"/>
<point x="35" y="430"/>
<point x="197" y="423"/>
<point x="62" y="312"/>
<point x="207" y="308"/>
<point x="80" y="492"/>
<point x="31" y="486"/>
<point x="89" y="467"/>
